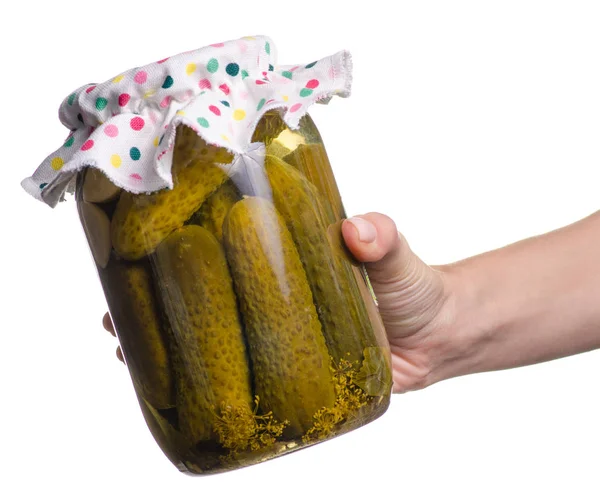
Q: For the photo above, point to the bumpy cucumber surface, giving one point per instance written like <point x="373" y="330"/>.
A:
<point x="289" y="355"/>
<point x="142" y="221"/>
<point x="213" y="211"/>
<point x="207" y="343"/>
<point x="346" y="324"/>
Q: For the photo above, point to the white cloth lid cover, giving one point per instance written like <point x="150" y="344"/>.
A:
<point x="126" y="126"/>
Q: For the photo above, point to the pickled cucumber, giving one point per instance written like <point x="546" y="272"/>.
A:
<point x="212" y="213"/>
<point x="133" y="308"/>
<point x="276" y="148"/>
<point x="269" y="127"/>
<point x="312" y="161"/>
<point x="97" y="188"/>
<point x="190" y="147"/>
<point x="141" y="222"/>
<point x="289" y="356"/>
<point x="345" y="320"/>
<point x="207" y="343"/>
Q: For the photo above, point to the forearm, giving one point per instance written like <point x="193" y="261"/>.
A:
<point x="535" y="300"/>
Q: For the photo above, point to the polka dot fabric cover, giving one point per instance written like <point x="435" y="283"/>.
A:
<point x="126" y="126"/>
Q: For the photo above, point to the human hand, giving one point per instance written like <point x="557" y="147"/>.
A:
<point x="108" y="325"/>
<point x="414" y="301"/>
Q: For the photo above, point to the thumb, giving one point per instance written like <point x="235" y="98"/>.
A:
<point x="409" y="292"/>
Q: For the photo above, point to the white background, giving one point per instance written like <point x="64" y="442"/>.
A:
<point x="473" y="124"/>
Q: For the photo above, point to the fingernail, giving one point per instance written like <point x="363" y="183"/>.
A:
<point x="367" y="233"/>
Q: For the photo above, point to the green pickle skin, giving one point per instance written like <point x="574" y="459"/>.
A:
<point x="141" y="222"/>
<point x="213" y="211"/>
<point x="346" y="323"/>
<point x="133" y="308"/>
<point x="289" y="355"/>
<point x="312" y="160"/>
<point x="207" y="343"/>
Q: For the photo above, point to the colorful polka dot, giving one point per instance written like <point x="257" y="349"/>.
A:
<point x="135" y="154"/>
<point x="124" y="99"/>
<point x="168" y="83"/>
<point x="212" y="66"/>
<point x="165" y="102"/>
<point x="225" y="71"/>
<point x="140" y="77"/>
<point x="117" y="79"/>
<point x="149" y="93"/>
<point x="135" y="176"/>
<point x="218" y="45"/>
<point x="137" y="123"/>
<point x="162" y="60"/>
<point x="204" y="83"/>
<point x="43" y="185"/>
<point x="239" y="114"/>
<point x="232" y="69"/>
<point x="101" y="103"/>
<point x="57" y="163"/>
<point x="111" y="130"/>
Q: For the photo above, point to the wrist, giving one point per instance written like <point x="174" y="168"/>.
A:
<point x="464" y="326"/>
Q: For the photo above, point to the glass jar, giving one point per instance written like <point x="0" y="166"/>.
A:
<point x="247" y="328"/>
